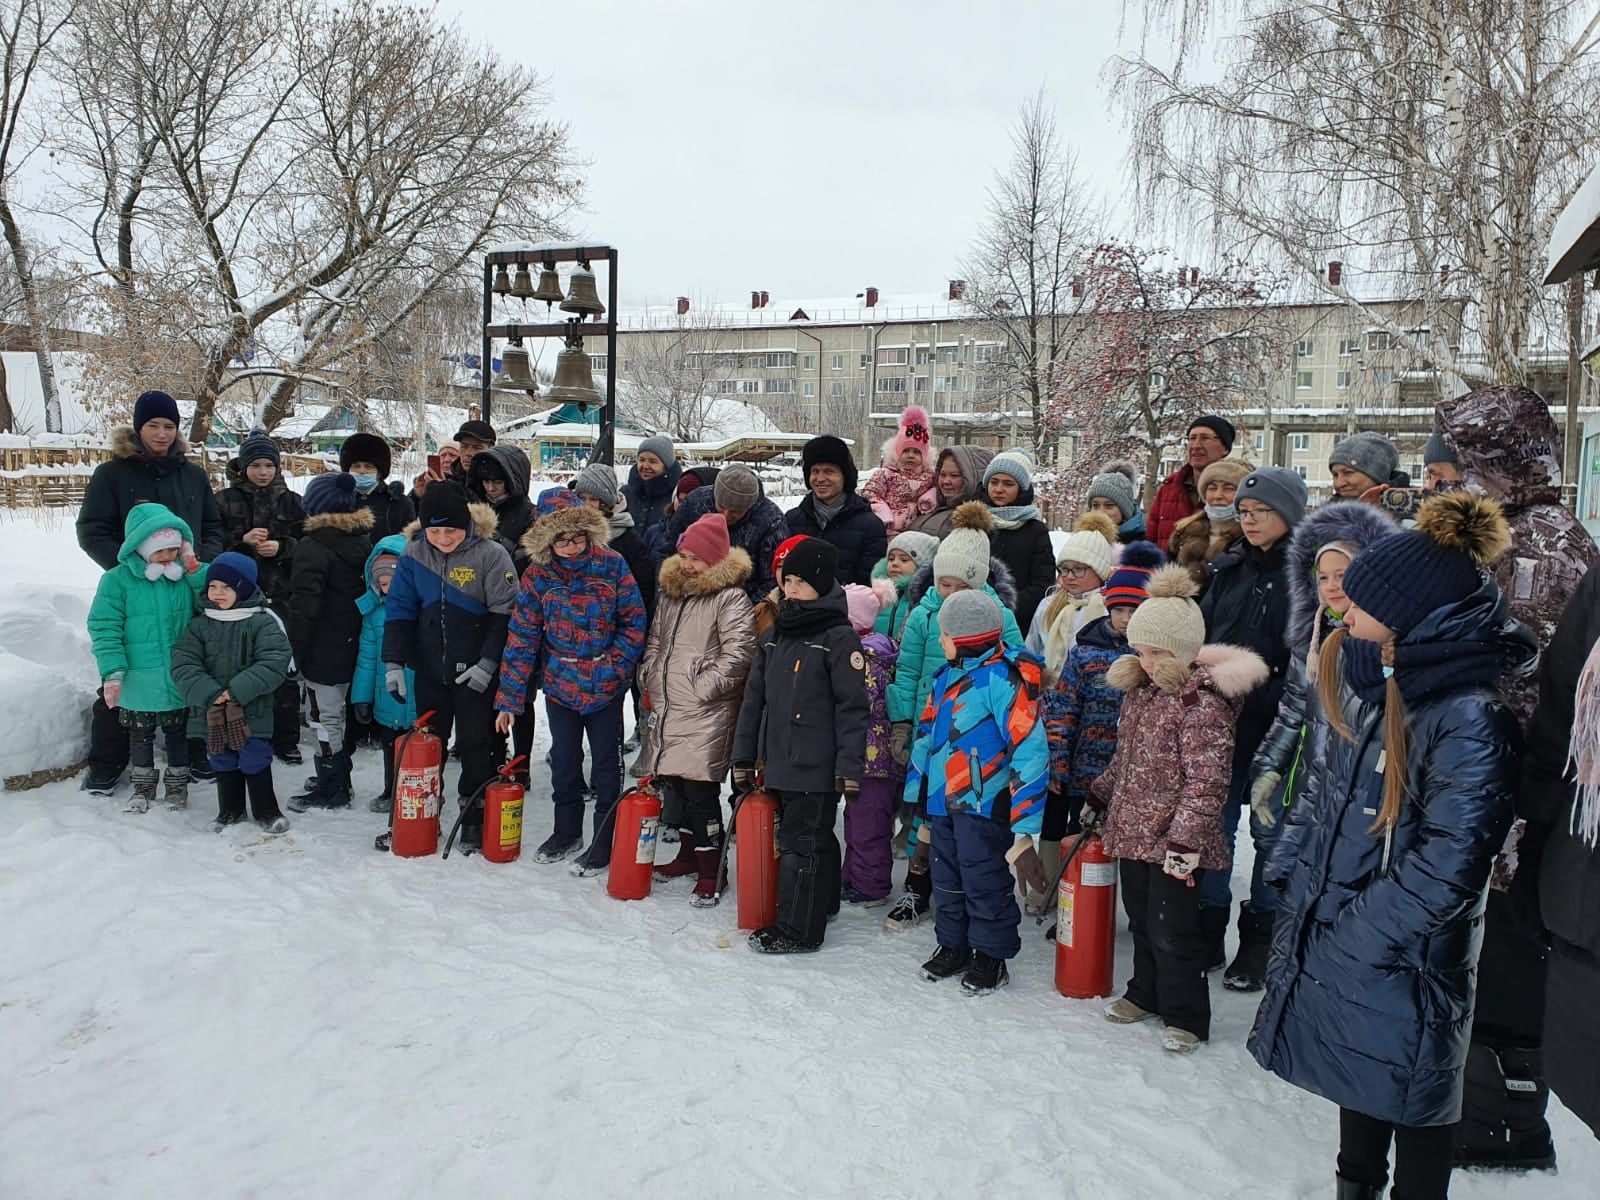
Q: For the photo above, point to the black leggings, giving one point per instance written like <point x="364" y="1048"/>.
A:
<point x="1423" y="1155"/>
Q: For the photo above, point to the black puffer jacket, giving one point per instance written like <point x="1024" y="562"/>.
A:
<point x="134" y="477"/>
<point x="514" y="514"/>
<point x="856" y="533"/>
<point x="1028" y="555"/>
<point x="328" y="576"/>
<point x="625" y="540"/>
<point x="273" y="508"/>
<point x="391" y="509"/>
<point x="1247" y="604"/>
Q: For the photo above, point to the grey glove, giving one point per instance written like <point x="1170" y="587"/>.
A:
<point x="479" y="675"/>
<point x="1261" y="793"/>
<point x="900" y="742"/>
<point x="394" y="681"/>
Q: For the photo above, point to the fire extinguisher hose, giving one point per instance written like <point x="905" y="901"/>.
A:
<point x="727" y="841"/>
<point x="476" y="799"/>
<point x="1090" y="828"/>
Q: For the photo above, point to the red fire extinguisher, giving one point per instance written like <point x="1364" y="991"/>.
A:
<point x="418" y="787"/>
<point x="502" y="814"/>
<point x="1086" y="920"/>
<point x="636" y="822"/>
<point x="756" y="829"/>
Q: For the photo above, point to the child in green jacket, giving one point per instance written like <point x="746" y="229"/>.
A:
<point x="229" y="664"/>
<point x="140" y="610"/>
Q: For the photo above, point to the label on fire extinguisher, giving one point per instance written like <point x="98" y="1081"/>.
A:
<point x="417" y="789"/>
<point x="776" y="854"/>
<point x="1065" y="896"/>
<point x="648" y="829"/>
<point x="1099" y="874"/>
<point x="511" y="825"/>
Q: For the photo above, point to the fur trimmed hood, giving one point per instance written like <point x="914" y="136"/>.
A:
<point x="484" y="521"/>
<point x="359" y="521"/>
<point x="1351" y="521"/>
<point x="731" y="572"/>
<point x="1232" y="672"/>
<point x="577" y="519"/>
<point x="999" y="579"/>
<point x="126" y="444"/>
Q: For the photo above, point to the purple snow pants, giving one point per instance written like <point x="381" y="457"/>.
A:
<point x="868" y="838"/>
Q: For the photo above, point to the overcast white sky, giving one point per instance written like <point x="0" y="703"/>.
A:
<point x="808" y="149"/>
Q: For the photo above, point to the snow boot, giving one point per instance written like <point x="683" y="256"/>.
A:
<point x="332" y="789"/>
<point x="771" y="940"/>
<point x="1503" y="1123"/>
<point x="264" y="802"/>
<point x="176" y="795"/>
<point x="856" y="898"/>
<point x="585" y="866"/>
<point x="383" y="803"/>
<point x="1037" y="903"/>
<point x="144" y="788"/>
<point x="946" y="963"/>
<point x="1179" y="1041"/>
<point x="555" y="848"/>
<point x="384" y="841"/>
<point x="901" y="842"/>
<point x="230" y="800"/>
<point x="1248" y="971"/>
<point x="1350" y="1189"/>
<point x="1123" y="1011"/>
<point x="290" y="755"/>
<point x="1214" y="932"/>
<point x="708" y="888"/>
<point x="986" y="974"/>
<point x="199" y="765"/>
<point x="914" y="903"/>
<point x="102" y="781"/>
<point x="685" y="864"/>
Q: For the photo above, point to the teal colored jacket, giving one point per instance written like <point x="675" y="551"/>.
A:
<point x="920" y="656"/>
<point x="891" y="622"/>
<point x="367" y="687"/>
<point x="246" y="655"/>
<point x="135" y="622"/>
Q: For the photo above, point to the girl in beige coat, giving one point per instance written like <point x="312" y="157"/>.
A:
<point x="701" y="642"/>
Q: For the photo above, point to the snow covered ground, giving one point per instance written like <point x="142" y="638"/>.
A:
<point x="184" y="1014"/>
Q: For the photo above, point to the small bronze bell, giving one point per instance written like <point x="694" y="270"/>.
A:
<point x="574" y="380"/>
<point x="549" y="289"/>
<point x="582" y="297"/>
<point x="502" y="281"/>
<point x="522" y="285"/>
<point x="518" y="368"/>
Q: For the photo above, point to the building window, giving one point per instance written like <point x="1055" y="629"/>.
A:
<point x="866" y="361"/>
<point x="986" y="352"/>
<point x="781" y="358"/>
<point x="895" y="383"/>
<point x="1302" y="380"/>
<point x="836" y="389"/>
<point x="861" y="391"/>
<point x="921" y="384"/>
<point x="778" y="387"/>
<point x="1300" y="471"/>
<point x="755" y="360"/>
<point x="1348" y="346"/>
<point x="1342" y="380"/>
<point x="808" y="388"/>
<point x="599" y="362"/>
<point x="894" y="356"/>
<point x="1306" y="348"/>
<point x="836" y="362"/>
<point x="1261" y="442"/>
<point x="949" y="355"/>
<point x="1299" y="442"/>
<point x="724" y="387"/>
<point x="1383" y="377"/>
<point x="1379" y="340"/>
<point x="808" y="362"/>
<point x="924" y="355"/>
<point x="749" y="387"/>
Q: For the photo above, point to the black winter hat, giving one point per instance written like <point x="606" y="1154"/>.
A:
<point x="365" y="447"/>
<point x="152" y="405"/>
<point x="1220" y="426"/>
<point x="444" y="506"/>
<point x="832" y="450"/>
<point x="481" y="430"/>
<point x="815" y="561"/>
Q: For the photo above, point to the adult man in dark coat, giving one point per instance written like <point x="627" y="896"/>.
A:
<point x="834" y="512"/>
<point x="755" y="523"/>
<point x="148" y="463"/>
<point x="366" y="456"/>
<point x="1209" y="439"/>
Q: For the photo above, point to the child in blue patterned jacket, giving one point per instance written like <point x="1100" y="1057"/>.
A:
<point x="981" y="759"/>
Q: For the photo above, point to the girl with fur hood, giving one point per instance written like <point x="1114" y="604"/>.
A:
<point x="1082" y="568"/>
<point x="1384" y="862"/>
<point x="701" y="643"/>
<point x="963" y="563"/>
<point x="902" y="488"/>
<point x="576" y="631"/>
<point x="1164" y="792"/>
<point x="1199" y="538"/>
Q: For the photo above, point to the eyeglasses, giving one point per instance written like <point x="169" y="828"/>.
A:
<point x="1201" y="439"/>
<point x="1073" y="572"/>
<point x="1255" y="513"/>
<point x="570" y="539"/>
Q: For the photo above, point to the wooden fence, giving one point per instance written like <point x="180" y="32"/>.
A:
<point x="55" y="475"/>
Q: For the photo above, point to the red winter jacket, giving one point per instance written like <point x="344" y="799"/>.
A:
<point x="1176" y="499"/>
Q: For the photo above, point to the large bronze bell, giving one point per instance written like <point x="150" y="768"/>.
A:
<point x="502" y="281"/>
<point x="574" y="380"/>
<point x="582" y="297"/>
<point x="522" y="285"/>
<point x="518" y="368"/>
<point x="549" y="289"/>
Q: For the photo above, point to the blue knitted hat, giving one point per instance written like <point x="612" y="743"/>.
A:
<point x="334" y="492"/>
<point x="238" y="571"/>
<point x="256" y="445"/>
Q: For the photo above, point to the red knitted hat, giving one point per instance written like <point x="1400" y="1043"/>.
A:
<point x="782" y="552"/>
<point x="707" y="538"/>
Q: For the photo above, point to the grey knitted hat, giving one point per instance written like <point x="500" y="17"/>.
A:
<point x="600" y="481"/>
<point x="971" y="615"/>
<point x="1370" y="453"/>
<point x="661" y="447"/>
<point x="737" y="489"/>
<point x="920" y="546"/>
<point x="1280" y="489"/>
<point x="1438" y="450"/>
<point x="1117" y="488"/>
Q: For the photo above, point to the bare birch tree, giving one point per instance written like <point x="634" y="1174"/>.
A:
<point x="1433" y="142"/>
<point x="673" y="376"/>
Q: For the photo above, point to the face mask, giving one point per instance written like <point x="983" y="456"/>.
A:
<point x="1219" y="513"/>
<point x="365" y="483"/>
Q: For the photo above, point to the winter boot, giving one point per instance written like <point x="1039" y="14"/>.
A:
<point x="1123" y="1011"/>
<point x="199" y="765"/>
<point x="230" y="800"/>
<point x="1037" y="903"/>
<point x="177" y="790"/>
<point x="1214" y="933"/>
<point x="1179" y="1041"/>
<point x="687" y="862"/>
<point x="856" y="898"/>
<point x="1350" y="1189"/>
<point x="385" y="802"/>
<point x="914" y="903"/>
<point x="309" y="784"/>
<point x="986" y="974"/>
<point x="264" y="802"/>
<point x="902" y="839"/>
<point x="144" y="788"/>
<point x="709" y="886"/>
<point x="557" y="847"/>
<point x="1248" y="971"/>
<point x="946" y="963"/>
<point x="332" y="789"/>
<point x="102" y="781"/>
<point x="772" y="940"/>
<point x="290" y="753"/>
<point x="1503" y="1111"/>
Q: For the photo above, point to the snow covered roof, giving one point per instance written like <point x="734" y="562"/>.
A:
<point x="1575" y="239"/>
<point x="830" y="310"/>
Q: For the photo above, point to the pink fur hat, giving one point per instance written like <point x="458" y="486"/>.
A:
<point x="913" y="430"/>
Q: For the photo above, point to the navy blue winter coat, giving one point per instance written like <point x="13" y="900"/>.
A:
<point x="1373" y="973"/>
<point x="647" y="499"/>
<point x="758" y="533"/>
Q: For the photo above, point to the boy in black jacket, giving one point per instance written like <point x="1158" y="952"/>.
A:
<point x="803" y="725"/>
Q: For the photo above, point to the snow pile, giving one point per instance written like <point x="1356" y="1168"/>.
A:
<point x="47" y="675"/>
